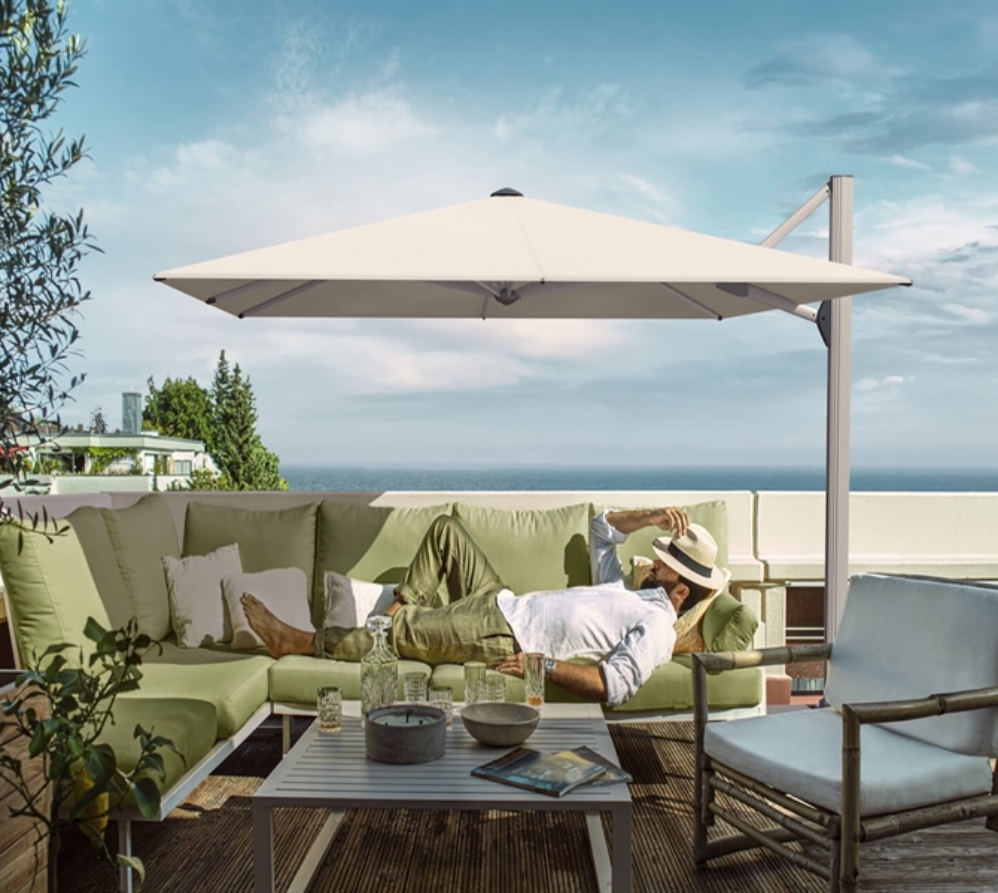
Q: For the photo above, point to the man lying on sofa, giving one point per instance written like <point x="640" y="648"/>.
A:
<point x="629" y="633"/>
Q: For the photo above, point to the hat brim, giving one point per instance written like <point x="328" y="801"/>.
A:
<point x="717" y="580"/>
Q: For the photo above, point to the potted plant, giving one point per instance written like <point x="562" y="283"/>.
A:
<point x="81" y="780"/>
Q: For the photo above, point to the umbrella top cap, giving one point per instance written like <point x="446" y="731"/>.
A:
<point x="504" y="192"/>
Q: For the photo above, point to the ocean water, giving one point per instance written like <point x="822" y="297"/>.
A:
<point x="345" y="478"/>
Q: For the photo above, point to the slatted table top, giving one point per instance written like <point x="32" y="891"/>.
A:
<point x="333" y="770"/>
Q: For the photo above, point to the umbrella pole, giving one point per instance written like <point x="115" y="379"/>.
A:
<point x="839" y="343"/>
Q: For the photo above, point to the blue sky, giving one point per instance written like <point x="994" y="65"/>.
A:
<point x="217" y="127"/>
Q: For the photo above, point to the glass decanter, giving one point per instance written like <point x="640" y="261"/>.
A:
<point x="378" y="668"/>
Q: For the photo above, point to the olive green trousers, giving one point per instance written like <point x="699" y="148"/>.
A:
<point x="438" y="624"/>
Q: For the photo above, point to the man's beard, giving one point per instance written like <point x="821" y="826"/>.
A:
<point x="650" y="582"/>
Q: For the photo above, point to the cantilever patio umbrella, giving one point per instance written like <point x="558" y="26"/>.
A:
<point x="511" y="257"/>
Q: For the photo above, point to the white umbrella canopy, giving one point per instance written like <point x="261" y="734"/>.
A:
<point x="513" y="257"/>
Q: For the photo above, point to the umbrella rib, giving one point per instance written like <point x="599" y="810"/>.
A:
<point x="693" y="302"/>
<point x="278" y="299"/>
<point x="769" y="298"/>
<point x="245" y="288"/>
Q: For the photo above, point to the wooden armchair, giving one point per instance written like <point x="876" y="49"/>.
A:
<point x="886" y="756"/>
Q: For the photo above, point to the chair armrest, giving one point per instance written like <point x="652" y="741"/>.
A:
<point x="734" y="660"/>
<point x="918" y="708"/>
<point x="703" y="662"/>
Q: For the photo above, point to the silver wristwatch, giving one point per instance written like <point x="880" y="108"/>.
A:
<point x="548" y="667"/>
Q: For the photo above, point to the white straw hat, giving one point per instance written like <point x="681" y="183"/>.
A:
<point x="693" y="556"/>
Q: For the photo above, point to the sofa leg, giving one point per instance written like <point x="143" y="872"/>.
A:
<point x="286" y="734"/>
<point x="125" y="879"/>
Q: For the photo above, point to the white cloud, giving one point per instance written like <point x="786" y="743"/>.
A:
<point x="557" y="119"/>
<point x="365" y="124"/>
<point x="208" y="153"/>
<point x="973" y="315"/>
<point x="961" y="166"/>
<point x="902" y="161"/>
<point x="643" y="188"/>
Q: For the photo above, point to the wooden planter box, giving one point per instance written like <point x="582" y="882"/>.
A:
<point x="23" y="855"/>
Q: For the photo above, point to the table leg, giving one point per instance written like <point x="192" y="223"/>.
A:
<point x="263" y="848"/>
<point x="599" y="852"/>
<point x="622" y="849"/>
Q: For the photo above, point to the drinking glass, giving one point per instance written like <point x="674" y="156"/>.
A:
<point x="474" y="682"/>
<point x="533" y="678"/>
<point x="443" y="699"/>
<point x="495" y="688"/>
<point x="329" y="706"/>
<point x="415" y="687"/>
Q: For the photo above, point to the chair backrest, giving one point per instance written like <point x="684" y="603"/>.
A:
<point x="903" y="637"/>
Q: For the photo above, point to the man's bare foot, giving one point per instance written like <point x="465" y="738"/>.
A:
<point x="279" y="638"/>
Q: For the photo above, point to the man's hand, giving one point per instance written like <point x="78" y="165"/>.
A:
<point x="512" y="666"/>
<point x="672" y="519"/>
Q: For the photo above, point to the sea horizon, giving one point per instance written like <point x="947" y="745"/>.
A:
<point x="303" y="476"/>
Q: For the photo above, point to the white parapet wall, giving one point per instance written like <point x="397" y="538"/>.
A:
<point x="951" y="535"/>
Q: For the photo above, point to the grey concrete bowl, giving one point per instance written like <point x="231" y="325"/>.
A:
<point x="500" y="724"/>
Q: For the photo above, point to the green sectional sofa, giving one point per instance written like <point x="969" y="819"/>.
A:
<point x="107" y="563"/>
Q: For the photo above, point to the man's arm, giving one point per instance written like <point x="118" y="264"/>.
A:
<point x="666" y="519"/>
<point x="584" y="680"/>
<point x="610" y="528"/>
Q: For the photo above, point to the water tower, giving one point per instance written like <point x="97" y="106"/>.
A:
<point x="131" y="413"/>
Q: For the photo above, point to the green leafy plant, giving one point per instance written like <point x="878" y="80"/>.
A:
<point x="40" y="251"/>
<point x="101" y="458"/>
<point x="81" y="772"/>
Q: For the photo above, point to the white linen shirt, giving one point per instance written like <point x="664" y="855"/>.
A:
<point x="628" y="633"/>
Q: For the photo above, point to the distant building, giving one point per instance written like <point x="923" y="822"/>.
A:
<point x="154" y="453"/>
<point x="131" y="413"/>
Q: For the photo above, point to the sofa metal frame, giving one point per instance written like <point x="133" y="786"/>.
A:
<point x="839" y="833"/>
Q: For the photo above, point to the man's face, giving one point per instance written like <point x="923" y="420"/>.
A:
<point x="661" y="576"/>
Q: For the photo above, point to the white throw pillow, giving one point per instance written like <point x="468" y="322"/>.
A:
<point x="350" y="602"/>
<point x="197" y="610"/>
<point x="284" y="591"/>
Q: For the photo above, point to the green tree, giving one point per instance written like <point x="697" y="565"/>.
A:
<point x="180" y="408"/>
<point x="236" y="446"/>
<point x="40" y="250"/>
<point x="98" y="424"/>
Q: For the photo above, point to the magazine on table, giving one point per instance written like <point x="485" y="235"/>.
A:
<point x="612" y="774"/>
<point x="554" y="774"/>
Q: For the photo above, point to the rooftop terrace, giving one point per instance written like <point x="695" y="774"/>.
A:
<point x="206" y="845"/>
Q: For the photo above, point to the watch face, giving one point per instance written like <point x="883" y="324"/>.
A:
<point x="549" y="666"/>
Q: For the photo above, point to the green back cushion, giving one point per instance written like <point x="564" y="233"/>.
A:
<point x="88" y="522"/>
<point x="712" y="515"/>
<point x="267" y="539"/>
<point x="532" y="550"/>
<point x="728" y="625"/>
<point x="140" y="536"/>
<point x="367" y="542"/>
<point x="49" y="589"/>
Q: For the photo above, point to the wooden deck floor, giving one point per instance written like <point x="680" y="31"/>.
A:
<point x="206" y="843"/>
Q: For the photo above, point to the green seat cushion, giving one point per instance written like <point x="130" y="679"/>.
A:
<point x="266" y="539"/>
<point x="712" y="515"/>
<point x="140" y="536"/>
<point x="367" y="542"/>
<point x="532" y="550"/>
<point x="670" y="688"/>
<point x="88" y="522"/>
<point x="50" y="589"/>
<point x="236" y="684"/>
<point x="728" y="625"/>
<point x="294" y="679"/>
<point x="189" y="724"/>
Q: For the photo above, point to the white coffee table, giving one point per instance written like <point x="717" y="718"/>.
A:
<point x="333" y="772"/>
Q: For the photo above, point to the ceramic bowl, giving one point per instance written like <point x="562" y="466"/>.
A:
<point x="500" y="724"/>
